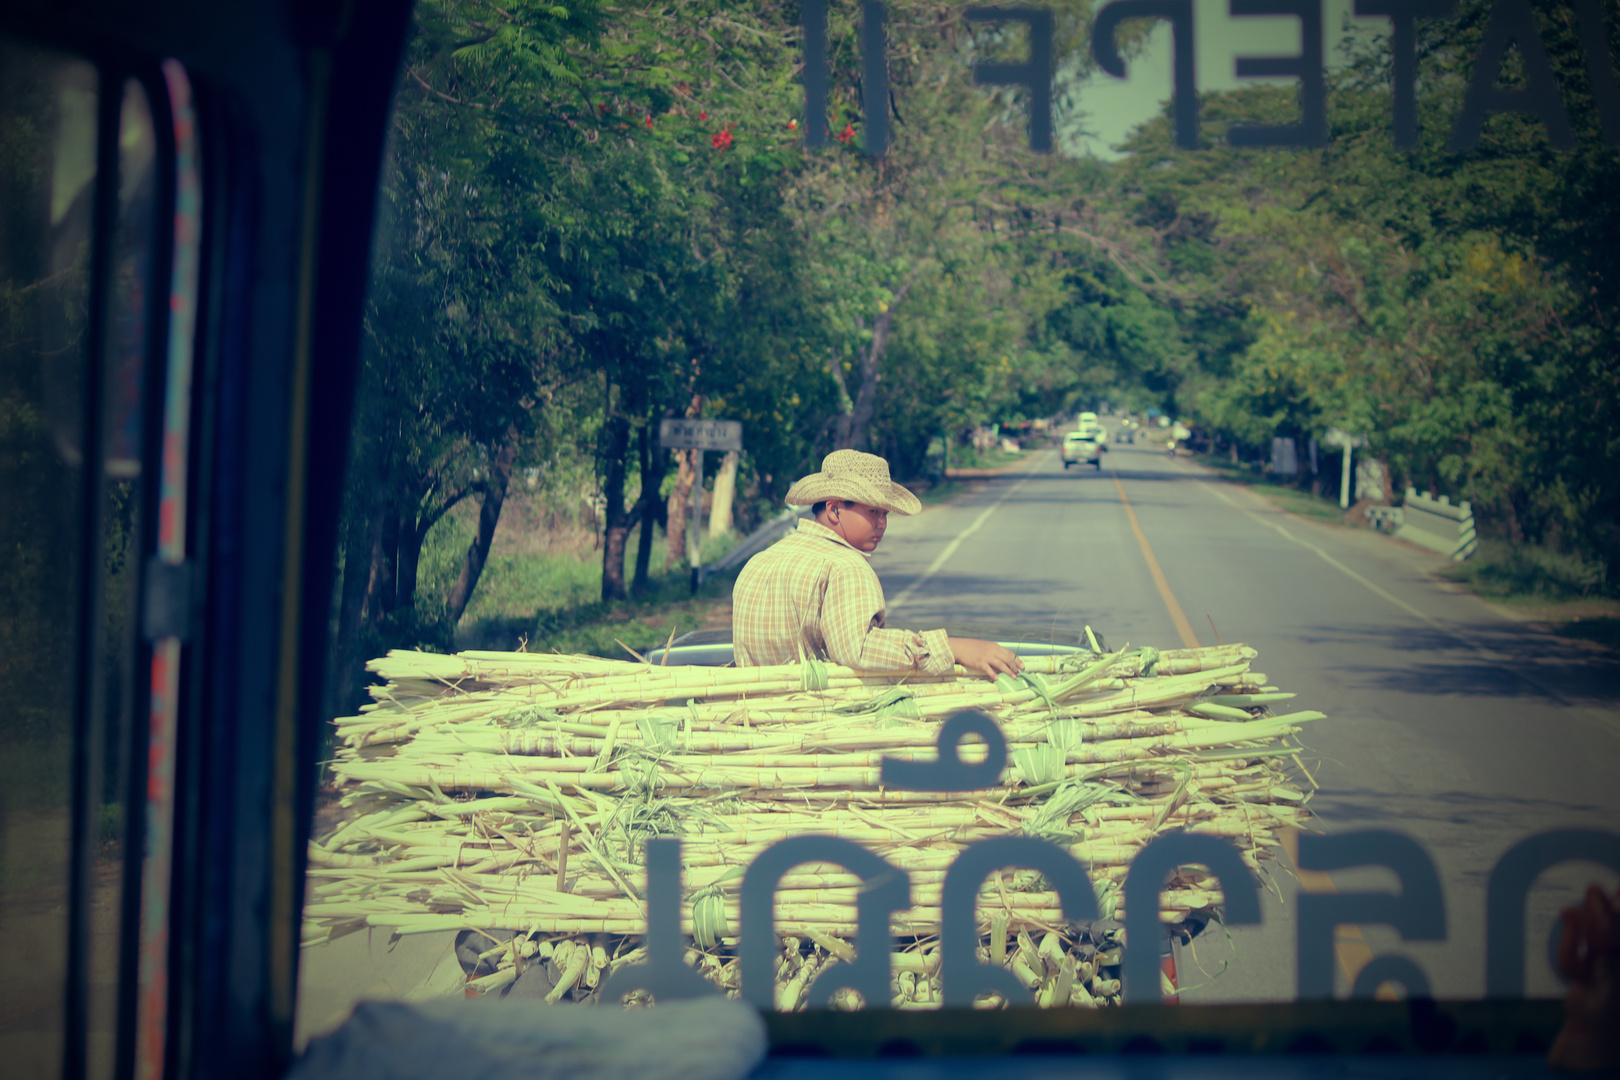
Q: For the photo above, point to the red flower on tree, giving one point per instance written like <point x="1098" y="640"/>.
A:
<point x="847" y="134"/>
<point x="721" y="140"/>
<point x="649" y="119"/>
<point x="703" y="116"/>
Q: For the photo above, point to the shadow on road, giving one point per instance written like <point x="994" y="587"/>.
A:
<point x="1540" y="665"/>
<point x="1492" y="813"/>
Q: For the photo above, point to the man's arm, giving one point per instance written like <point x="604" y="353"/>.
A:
<point x="852" y="626"/>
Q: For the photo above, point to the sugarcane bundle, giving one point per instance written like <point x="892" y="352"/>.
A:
<point x="511" y="794"/>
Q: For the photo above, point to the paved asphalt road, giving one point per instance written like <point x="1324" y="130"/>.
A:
<point x="1446" y="721"/>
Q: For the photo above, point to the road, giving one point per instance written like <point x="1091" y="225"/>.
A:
<point x="1446" y="721"/>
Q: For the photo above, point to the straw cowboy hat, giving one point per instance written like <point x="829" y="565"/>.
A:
<point x="857" y="477"/>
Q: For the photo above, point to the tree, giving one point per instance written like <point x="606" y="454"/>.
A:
<point x="1453" y="305"/>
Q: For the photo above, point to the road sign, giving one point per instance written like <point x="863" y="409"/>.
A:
<point x="700" y="434"/>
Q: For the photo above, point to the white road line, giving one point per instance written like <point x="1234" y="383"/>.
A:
<point x="950" y="548"/>
<point x="1511" y="664"/>
<point x="1331" y="561"/>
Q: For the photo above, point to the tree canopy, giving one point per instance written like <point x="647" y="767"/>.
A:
<point x="600" y="215"/>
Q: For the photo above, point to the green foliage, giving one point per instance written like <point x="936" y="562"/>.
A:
<point x="1529" y="572"/>
<point x="597" y="216"/>
<point x="1600" y="630"/>
<point x="526" y="582"/>
<point x="1455" y="307"/>
<point x="604" y="628"/>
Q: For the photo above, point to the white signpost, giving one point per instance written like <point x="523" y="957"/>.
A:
<point x="699" y="435"/>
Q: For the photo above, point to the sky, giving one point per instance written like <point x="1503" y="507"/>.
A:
<point x="1114" y="106"/>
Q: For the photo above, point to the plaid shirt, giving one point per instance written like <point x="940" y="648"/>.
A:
<point x="813" y="594"/>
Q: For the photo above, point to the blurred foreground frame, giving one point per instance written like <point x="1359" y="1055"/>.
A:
<point x="1417" y="1026"/>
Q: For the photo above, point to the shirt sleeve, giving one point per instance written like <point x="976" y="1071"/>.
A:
<point x="852" y="626"/>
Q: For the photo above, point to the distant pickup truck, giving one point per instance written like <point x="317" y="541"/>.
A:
<point x="1085" y="448"/>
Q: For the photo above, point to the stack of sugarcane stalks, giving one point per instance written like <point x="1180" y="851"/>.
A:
<point x="511" y="793"/>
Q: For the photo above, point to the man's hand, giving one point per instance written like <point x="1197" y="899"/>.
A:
<point x="1589" y="957"/>
<point x="985" y="657"/>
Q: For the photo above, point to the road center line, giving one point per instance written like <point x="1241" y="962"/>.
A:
<point x="950" y="548"/>
<point x="1177" y="616"/>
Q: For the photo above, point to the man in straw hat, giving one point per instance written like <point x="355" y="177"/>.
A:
<point x="813" y="593"/>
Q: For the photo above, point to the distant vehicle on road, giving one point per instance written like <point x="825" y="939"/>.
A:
<point x="1085" y="447"/>
<point x="1179" y="435"/>
<point x="1086" y="423"/>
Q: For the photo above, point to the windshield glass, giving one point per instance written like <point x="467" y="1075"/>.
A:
<point x="1276" y="388"/>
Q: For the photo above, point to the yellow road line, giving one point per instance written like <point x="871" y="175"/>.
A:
<point x="1350" y="946"/>
<point x="1177" y="616"/>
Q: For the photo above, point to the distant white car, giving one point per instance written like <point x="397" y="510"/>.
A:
<point x="1085" y="447"/>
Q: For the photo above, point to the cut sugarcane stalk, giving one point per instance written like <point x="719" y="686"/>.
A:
<point x="510" y="791"/>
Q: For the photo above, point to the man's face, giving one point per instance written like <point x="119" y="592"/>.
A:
<point x="857" y="523"/>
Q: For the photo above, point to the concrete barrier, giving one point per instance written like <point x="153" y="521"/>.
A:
<point x="1386" y="519"/>
<point x="1438" y="524"/>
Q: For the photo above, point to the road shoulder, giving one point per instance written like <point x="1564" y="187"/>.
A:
<point x="1561" y="620"/>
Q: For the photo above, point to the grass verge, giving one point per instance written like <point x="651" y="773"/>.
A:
<point x="606" y="628"/>
<point x="1599" y="630"/>
<point x="1292" y="499"/>
<point x="1563" y="593"/>
<point x="542" y="585"/>
<point x="966" y="458"/>
<point x="1525" y="573"/>
<point x="942" y="492"/>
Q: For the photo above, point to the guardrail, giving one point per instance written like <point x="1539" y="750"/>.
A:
<point x="1438" y="524"/>
<point x="755" y="542"/>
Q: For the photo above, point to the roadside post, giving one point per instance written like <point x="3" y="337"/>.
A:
<point x="700" y="435"/>
<point x="1336" y="437"/>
